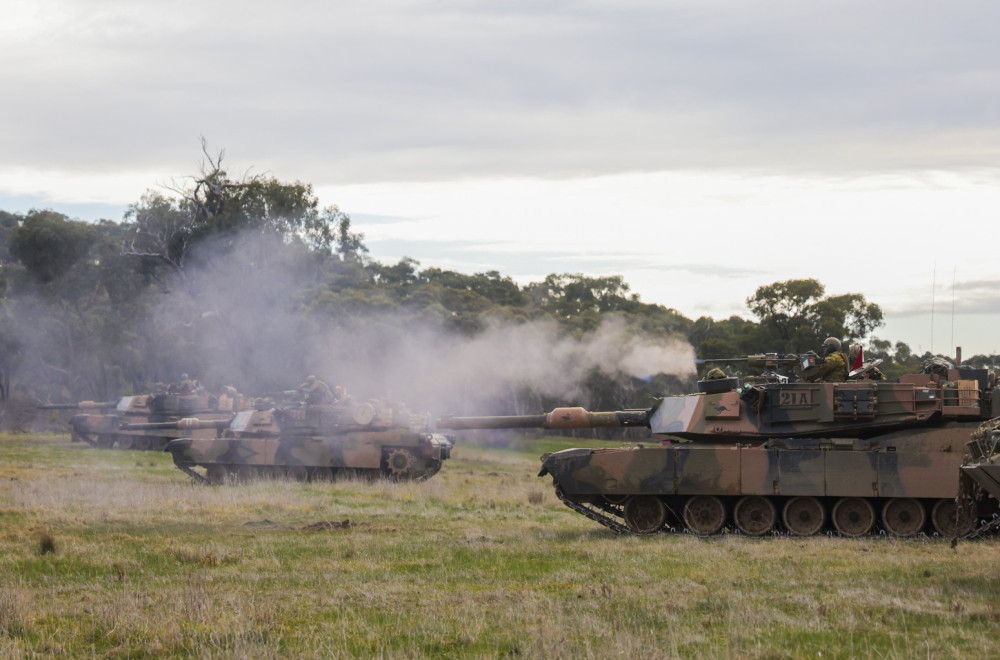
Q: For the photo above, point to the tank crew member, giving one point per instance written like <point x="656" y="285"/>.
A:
<point x="834" y="366"/>
<point x="186" y="386"/>
<point x="715" y="374"/>
<point x="315" y="390"/>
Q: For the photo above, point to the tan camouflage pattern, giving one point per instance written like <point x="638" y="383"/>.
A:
<point x="317" y="442"/>
<point x="854" y="457"/>
<point x="103" y="430"/>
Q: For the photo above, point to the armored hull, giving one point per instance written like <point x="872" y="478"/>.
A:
<point x="855" y="457"/>
<point x="314" y="442"/>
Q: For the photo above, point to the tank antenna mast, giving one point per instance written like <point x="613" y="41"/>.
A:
<point x="933" y="287"/>
<point x="953" y="305"/>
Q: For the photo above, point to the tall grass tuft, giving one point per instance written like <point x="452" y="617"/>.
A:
<point x="46" y="543"/>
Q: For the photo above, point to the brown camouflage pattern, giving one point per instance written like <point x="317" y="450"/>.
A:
<point x="315" y="441"/>
<point x="103" y="429"/>
<point x="852" y="457"/>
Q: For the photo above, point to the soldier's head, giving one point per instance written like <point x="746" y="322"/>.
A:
<point x="310" y="379"/>
<point x="184" y="377"/>
<point x="831" y="345"/>
<point x="715" y="374"/>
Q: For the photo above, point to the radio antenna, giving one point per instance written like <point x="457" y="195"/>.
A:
<point x="933" y="287"/>
<point x="953" y="307"/>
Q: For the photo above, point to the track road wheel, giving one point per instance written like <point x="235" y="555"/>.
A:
<point x="126" y="441"/>
<point x="803" y="516"/>
<point x="400" y="463"/>
<point x="755" y="515"/>
<point x="216" y="474"/>
<point x="105" y="441"/>
<point x="704" y="514"/>
<point x="645" y="514"/>
<point x="943" y="516"/>
<point x="853" y="516"/>
<point x="903" y="516"/>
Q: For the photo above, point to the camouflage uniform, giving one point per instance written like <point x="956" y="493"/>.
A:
<point x="316" y="391"/>
<point x="833" y="367"/>
<point x="715" y="374"/>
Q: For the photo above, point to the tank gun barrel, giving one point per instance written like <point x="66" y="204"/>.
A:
<point x="758" y="359"/>
<point x="769" y="362"/>
<point x="82" y="405"/>
<point x="560" y="418"/>
<point x="186" y="424"/>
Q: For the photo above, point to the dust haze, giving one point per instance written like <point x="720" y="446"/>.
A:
<point x="261" y="317"/>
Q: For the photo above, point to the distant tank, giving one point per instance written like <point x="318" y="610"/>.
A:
<point x="773" y="454"/>
<point x="100" y="425"/>
<point x="308" y="441"/>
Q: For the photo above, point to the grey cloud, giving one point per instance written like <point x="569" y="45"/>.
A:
<point x="976" y="298"/>
<point x="397" y="90"/>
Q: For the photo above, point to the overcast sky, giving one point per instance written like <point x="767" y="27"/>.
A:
<point x="699" y="149"/>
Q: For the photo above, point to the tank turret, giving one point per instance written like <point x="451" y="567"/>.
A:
<point x="780" y="454"/>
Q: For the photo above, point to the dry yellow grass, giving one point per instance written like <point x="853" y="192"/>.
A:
<point x="480" y="561"/>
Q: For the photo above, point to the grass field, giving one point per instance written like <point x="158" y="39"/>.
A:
<point x="118" y="554"/>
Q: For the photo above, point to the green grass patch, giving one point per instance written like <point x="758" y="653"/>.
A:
<point x="479" y="561"/>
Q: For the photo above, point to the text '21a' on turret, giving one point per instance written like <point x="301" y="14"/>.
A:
<point x="314" y="437"/>
<point x="779" y="453"/>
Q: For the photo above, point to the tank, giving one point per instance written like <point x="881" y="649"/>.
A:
<point x="776" y="454"/>
<point x="308" y="441"/>
<point x="100" y="424"/>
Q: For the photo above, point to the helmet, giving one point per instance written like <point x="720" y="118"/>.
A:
<point x="831" y="345"/>
<point x="715" y="374"/>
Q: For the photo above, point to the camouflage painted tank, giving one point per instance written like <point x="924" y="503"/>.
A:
<point x="100" y="424"/>
<point x="310" y="441"/>
<point x="774" y="454"/>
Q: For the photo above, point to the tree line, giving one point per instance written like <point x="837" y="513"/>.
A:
<point x="95" y="310"/>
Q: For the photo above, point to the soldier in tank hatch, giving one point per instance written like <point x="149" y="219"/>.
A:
<point x="316" y="391"/>
<point x="833" y="368"/>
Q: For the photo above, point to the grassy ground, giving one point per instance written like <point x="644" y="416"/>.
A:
<point x="113" y="553"/>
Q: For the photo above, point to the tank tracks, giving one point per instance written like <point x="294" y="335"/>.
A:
<point x="605" y="514"/>
<point x="598" y="514"/>
<point x="186" y="469"/>
<point x="984" y="529"/>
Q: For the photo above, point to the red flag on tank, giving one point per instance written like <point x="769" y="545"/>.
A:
<point x="859" y="360"/>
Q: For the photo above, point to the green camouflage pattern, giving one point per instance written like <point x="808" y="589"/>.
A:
<point x="312" y="441"/>
<point x="852" y="457"/>
<point x="983" y="469"/>
<point x="100" y="423"/>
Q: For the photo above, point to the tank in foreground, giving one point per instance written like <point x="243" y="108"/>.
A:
<point x="309" y="441"/>
<point x="777" y="455"/>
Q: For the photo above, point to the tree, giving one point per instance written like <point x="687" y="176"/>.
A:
<point x="795" y="316"/>
<point x="48" y="244"/>
<point x="215" y="210"/>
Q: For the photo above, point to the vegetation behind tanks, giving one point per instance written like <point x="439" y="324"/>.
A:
<point x="114" y="554"/>
<point x="193" y="281"/>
